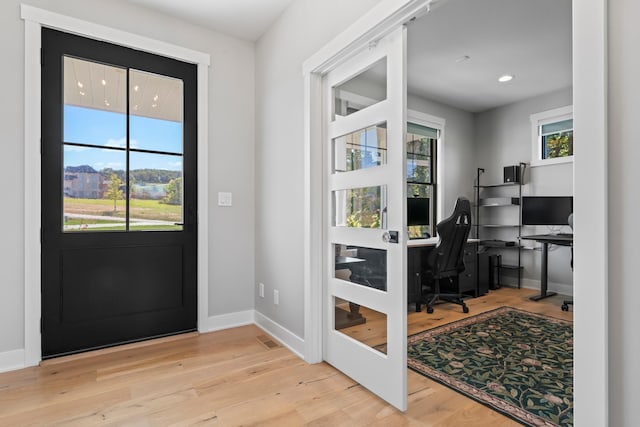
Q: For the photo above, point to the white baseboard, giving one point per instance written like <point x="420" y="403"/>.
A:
<point x="561" y="288"/>
<point x="11" y="360"/>
<point x="230" y="320"/>
<point x="283" y="335"/>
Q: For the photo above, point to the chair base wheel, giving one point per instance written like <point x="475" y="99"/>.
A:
<point x="565" y="307"/>
<point x="465" y="309"/>
<point x="429" y="310"/>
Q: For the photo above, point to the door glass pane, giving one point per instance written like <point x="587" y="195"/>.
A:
<point x="155" y="199"/>
<point x="94" y="188"/>
<point x="156" y="108"/>
<point x="360" y="207"/>
<point x="361" y="323"/>
<point x="365" y="89"/>
<point x="362" y="149"/>
<point x="360" y="265"/>
<point x="95" y="97"/>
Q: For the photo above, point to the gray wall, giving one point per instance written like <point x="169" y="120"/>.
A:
<point x="624" y="206"/>
<point x="231" y="150"/>
<point x="503" y="137"/>
<point x="303" y="29"/>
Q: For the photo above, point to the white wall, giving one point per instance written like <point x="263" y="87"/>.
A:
<point x="231" y="150"/>
<point x="624" y="209"/>
<point x="503" y="137"/>
<point x="302" y="29"/>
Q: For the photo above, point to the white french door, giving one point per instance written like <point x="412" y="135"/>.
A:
<point x="365" y="300"/>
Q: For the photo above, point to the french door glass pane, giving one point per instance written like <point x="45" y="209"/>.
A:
<point x="156" y="112"/>
<point x="361" y="91"/>
<point x="362" y="266"/>
<point x="94" y="186"/>
<point x="362" y="149"/>
<point x="361" y="323"/>
<point x="363" y="207"/>
<point x="155" y="196"/>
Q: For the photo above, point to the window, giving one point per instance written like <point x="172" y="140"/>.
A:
<point x="552" y="136"/>
<point x="421" y="144"/>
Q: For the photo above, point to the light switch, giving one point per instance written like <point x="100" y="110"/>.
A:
<point x="225" y="199"/>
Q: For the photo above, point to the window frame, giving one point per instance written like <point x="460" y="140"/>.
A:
<point x="545" y="118"/>
<point x="432" y="183"/>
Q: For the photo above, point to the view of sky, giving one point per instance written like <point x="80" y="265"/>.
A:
<point x="108" y="129"/>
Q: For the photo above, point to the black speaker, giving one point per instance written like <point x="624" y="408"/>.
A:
<point x="512" y="173"/>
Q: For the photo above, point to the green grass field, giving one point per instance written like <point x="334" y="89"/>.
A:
<point x="140" y="209"/>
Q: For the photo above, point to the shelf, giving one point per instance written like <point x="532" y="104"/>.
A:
<point x="498" y="201"/>
<point x="506" y="184"/>
<point x="511" y="267"/>
<point x="492" y="241"/>
<point x="498" y="244"/>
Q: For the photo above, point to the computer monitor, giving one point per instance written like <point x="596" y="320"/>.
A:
<point x="546" y="210"/>
<point x="417" y="211"/>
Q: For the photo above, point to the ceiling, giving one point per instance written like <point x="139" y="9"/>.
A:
<point x="456" y="52"/>
<point x="530" y="39"/>
<point x="245" y="19"/>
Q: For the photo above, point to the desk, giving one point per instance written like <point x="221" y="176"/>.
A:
<point x="546" y="240"/>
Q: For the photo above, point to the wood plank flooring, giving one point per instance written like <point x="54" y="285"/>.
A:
<point x="237" y="377"/>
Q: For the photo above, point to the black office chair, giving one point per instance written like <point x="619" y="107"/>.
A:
<point x="446" y="260"/>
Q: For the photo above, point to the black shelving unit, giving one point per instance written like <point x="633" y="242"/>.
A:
<point x="506" y="195"/>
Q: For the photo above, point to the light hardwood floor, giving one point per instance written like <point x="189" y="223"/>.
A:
<point x="237" y="377"/>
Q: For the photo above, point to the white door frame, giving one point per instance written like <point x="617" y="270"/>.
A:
<point x="590" y="188"/>
<point x="35" y="19"/>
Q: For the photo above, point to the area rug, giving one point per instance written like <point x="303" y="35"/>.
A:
<point x="516" y="362"/>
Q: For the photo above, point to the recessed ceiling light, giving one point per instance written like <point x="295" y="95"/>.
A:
<point x="104" y="82"/>
<point x="80" y="85"/>
<point x="155" y="98"/>
<point x="81" y="93"/>
<point x="135" y="88"/>
<point x="106" y="103"/>
<point x="506" y="78"/>
<point x="154" y="105"/>
<point x="135" y="107"/>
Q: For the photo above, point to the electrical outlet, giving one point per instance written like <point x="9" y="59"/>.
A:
<point x="276" y="297"/>
<point x="261" y="289"/>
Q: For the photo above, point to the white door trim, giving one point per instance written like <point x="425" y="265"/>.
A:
<point x="590" y="188"/>
<point x="35" y="19"/>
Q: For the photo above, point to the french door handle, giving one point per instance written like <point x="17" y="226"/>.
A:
<point x="390" y="237"/>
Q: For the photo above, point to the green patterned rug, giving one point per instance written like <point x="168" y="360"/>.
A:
<point x="516" y="362"/>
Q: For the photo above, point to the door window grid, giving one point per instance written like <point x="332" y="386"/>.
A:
<point x="136" y="169"/>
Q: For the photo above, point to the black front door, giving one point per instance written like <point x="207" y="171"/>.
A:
<point x="119" y="226"/>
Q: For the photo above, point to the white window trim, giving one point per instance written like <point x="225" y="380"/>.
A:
<point x="543" y="118"/>
<point x="35" y="19"/>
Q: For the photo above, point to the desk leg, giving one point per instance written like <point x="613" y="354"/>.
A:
<point x="543" y="275"/>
